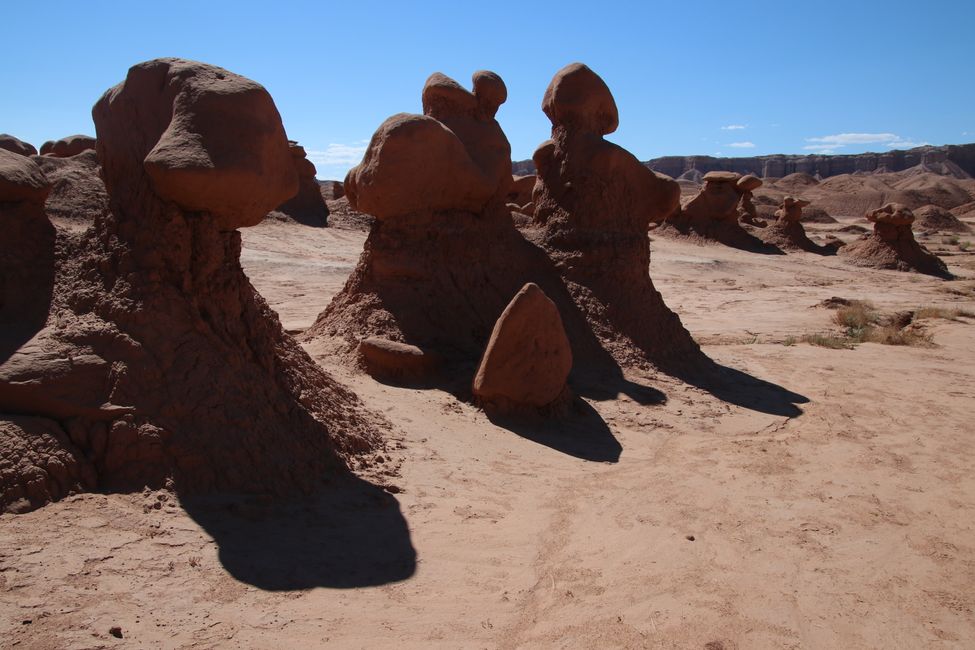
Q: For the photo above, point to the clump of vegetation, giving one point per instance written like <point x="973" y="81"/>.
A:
<point x="953" y="240"/>
<point x="964" y="246"/>
<point x="862" y="323"/>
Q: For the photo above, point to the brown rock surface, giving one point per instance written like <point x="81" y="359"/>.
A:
<point x="528" y="358"/>
<point x="77" y="191"/>
<point x="593" y="204"/>
<point x="746" y="209"/>
<point x="400" y="362"/>
<point x="16" y="145"/>
<point x="891" y="245"/>
<point x="157" y="357"/>
<point x="69" y="146"/>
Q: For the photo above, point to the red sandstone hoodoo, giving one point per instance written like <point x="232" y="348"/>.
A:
<point x="891" y="245"/>
<point x="593" y="204"/>
<point x="155" y="359"/>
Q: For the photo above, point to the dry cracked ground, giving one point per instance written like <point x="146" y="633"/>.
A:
<point x="829" y="505"/>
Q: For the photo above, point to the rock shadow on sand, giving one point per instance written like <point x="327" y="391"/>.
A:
<point x="351" y="534"/>
<point x="742" y="389"/>
<point x="581" y="432"/>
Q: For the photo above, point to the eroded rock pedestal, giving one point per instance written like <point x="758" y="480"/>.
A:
<point x="713" y="214"/>
<point x="787" y="231"/>
<point x="891" y="245"/>
<point x="593" y="204"/>
<point x="155" y="356"/>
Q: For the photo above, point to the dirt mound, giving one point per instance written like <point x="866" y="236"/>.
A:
<point x="77" y="191"/>
<point x="797" y="182"/>
<point x="69" y="146"/>
<point x="594" y="202"/>
<point x="157" y="357"/>
<point x="16" y="145"/>
<point x="964" y="211"/>
<point x="341" y="215"/>
<point x="308" y="206"/>
<point x="891" y="245"/>
<point x="931" y="218"/>
<point x="813" y="214"/>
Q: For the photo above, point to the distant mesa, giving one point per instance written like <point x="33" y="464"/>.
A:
<point x="891" y="245"/>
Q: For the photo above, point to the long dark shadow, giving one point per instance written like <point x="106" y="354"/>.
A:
<point x="741" y="389"/>
<point x="351" y="534"/>
<point x="581" y="433"/>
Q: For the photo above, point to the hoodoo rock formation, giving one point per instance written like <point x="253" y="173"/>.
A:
<point x="746" y="208"/>
<point x="713" y="214"/>
<point x="527" y="360"/>
<point x="443" y="257"/>
<point x="16" y="145"/>
<point x="157" y="360"/>
<point x="787" y="232"/>
<point x="67" y="147"/>
<point x="593" y="204"/>
<point x="308" y="205"/>
<point x="891" y="245"/>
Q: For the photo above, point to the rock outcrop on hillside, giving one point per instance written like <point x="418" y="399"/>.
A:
<point x="69" y="146"/>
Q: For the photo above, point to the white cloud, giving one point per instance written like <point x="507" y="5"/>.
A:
<point x="734" y="127"/>
<point x="821" y="148"/>
<point x="830" y="143"/>
<point x="336" y="155"/>
<point x="742" y="145"/>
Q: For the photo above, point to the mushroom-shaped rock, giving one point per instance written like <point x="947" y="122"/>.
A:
<point x="163" y="363"/>
<point x="787" y="233"/>
<point x="443" y="258"/>
<point x="579" y="100"/>
<point x="891" y="245"/>
<point x="528" y="358"/>
<point x="593" y="204"/>
<point x="714" y="214"/>
<point x="192" y="144"/>
<point x="67" y="147"/>
<point x="16" y="145"/>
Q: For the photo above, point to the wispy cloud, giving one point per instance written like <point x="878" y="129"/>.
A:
<point x="336" y="155"/>
<point x="734" y="127"/>
<point x="742" y="145"/>
<point x="830" y="143"/>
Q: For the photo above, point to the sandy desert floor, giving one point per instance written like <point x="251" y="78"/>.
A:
<point x="832" y="505"/>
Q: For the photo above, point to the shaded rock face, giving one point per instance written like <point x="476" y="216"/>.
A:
<point x="77" y="191"/>
<point x="713" y="214"/>
<point x="308" y="205"/>
<point x="593" y="204"/>
<point x="528" y="358"/>
<point x="520" y="195"/>
<point x="157" y="357"/>
<point x="16" y="145"/>
<point x="891" y="245"/>
<point x="69" y="146"/>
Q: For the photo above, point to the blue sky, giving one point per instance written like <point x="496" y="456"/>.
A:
<point x="717" y="78"/>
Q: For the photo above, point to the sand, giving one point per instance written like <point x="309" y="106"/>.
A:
<point x="830" y="506"/>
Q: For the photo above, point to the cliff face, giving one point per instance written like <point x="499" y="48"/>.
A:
<point x="954" y="160"/>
